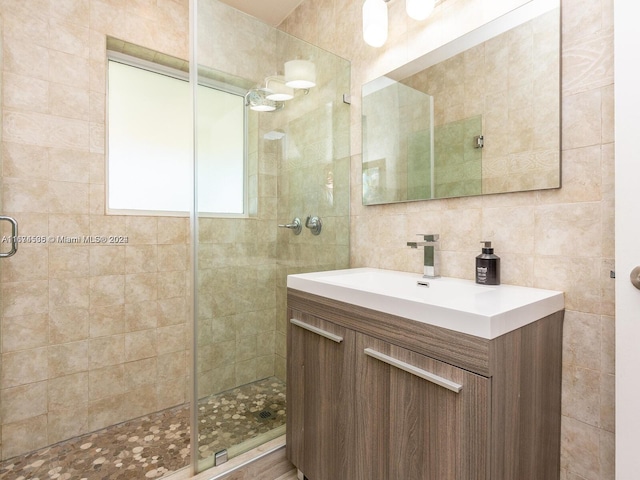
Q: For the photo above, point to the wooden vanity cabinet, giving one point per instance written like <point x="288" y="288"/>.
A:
<point x="320" y="384"/>
<point x="396" y="399"/>
<point x="412" y="428"/>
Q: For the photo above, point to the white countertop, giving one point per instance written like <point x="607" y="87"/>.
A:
<point x="453" y="303"/>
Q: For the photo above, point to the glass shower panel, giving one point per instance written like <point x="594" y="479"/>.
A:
<point x="297" y="165"/>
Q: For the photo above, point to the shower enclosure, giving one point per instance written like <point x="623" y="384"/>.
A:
<point x="296" y="165"/>
<point x="139" y="342"/>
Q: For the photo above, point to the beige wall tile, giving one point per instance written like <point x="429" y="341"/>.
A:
<point x="23" y="402"/>
<point x="24" y="367"/>
<point x="25" y="58"/>
<point x="173" y="230"/>
<point x="106" y="260"/>
<point x="105" y="382"/>
<point x="141" y="315"/>
<point x="68" y="324"/>
<point x="141" y="287"/>
<point x="106" y="351"/>
<point x="107" y="290"/>
<point x="568" y="230"/>
<point x="69" y="292"/>
<point x="68" y="358"/>
<point x="68" y="198"/>
<point x="68" y="392"/>
<point x="172" y="311"/>
<point x="25" y="195"/>
<point x="30" y="264"/>
<point x="107" y="320"/>
<point x="140" y="372"/>
<point x="68" y="69"/>
<point x="24" y="436"/>
<point x="25" y="298"/>
<point x="141" y="258"/>
<point x="68" y="165"/>
<point x="68" y="225"/>
<point x="64" y="424"/>
<point x="172" y="257"/>
<point x="140" y="344"/>
<point x="142" y="230"/>
<point x="171" y="284"/>
<point x="68" y="261"/>
<point x="106" y="411"/>
<point x="24" y="161"/>
<point x="25" y="332"/>
<point x="172" y="338"/>
<point x="25" y="93"/>
<point x="140" y="401"/>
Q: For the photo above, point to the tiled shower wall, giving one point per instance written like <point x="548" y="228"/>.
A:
<point x="243" y="263"/>
<point x="561" y="239"/>
<point x="91" y="334"/>
<point x="237" y="256"/>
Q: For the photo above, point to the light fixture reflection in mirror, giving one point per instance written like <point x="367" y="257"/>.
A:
<point x="300" y="74"/>
<point x="278" y="91"/>
<point x="495" y="122"/>
<point x="257" y="100"/>
<point x="419" y="9"/>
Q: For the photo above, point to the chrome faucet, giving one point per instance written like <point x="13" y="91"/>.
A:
<point x="431" y="254"/>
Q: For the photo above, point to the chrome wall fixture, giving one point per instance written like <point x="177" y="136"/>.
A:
<point x="375" y="18"/>
<point x="314" y="224"/>
<point x="14" y="236"/>
<point x="295" y="225"/>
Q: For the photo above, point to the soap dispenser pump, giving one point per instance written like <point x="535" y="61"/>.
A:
<point x="487" y="266"/>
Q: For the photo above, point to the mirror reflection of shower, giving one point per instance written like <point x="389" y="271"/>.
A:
<point x="299" y="75"/>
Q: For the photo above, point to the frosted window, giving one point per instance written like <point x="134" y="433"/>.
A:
<point x="150" y="138"/>
<point x="220" y="151"/>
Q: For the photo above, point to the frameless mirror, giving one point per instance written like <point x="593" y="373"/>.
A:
<point x="479" y="115"/>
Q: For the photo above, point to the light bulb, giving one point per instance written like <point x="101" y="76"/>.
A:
<point x="420" y="9"/>
<point x="375" y="22"/>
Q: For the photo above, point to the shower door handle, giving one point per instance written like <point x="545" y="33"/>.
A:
<point x="14" y="236"/>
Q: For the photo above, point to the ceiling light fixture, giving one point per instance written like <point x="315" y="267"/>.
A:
<point x="375" y="18"/>
<point x="375" y="22"/>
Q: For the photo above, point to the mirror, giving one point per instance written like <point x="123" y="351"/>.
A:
<point x="479" y="115"/>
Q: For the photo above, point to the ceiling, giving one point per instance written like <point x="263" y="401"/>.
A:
<point x="272" y="12"/>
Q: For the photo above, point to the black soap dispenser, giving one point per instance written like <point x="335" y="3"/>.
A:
<point x="487" y="266"/>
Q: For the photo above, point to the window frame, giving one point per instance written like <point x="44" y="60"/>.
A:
<point x="135" y="62"/>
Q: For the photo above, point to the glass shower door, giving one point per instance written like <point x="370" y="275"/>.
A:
<point x="294" y="163"/>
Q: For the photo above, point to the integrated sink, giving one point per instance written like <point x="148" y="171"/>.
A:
<point x="456" y="304"/>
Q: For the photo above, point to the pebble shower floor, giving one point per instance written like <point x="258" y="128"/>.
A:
<point x="157" y="444"/>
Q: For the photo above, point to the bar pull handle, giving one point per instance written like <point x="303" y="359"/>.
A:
<point x="418" y="372"/>
<point x="316" y="330"/>
<point x="14" y="237"/>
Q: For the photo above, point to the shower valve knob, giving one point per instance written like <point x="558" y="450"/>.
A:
<point x="314" y="224"/>
<point x="295" y="225"/>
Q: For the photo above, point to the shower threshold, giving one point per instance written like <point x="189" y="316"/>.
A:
<point x="157" y="444"/>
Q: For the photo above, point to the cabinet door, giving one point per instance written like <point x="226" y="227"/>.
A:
<point x="320" y="389"/>
<point x="411" y="428"/>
